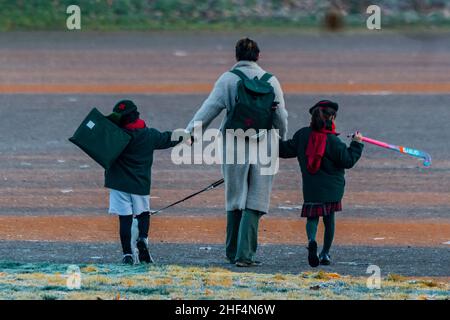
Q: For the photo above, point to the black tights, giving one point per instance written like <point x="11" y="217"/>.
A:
<point x="126" y="222"/>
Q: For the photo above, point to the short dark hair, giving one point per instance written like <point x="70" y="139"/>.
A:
<point x="247" y="49"/>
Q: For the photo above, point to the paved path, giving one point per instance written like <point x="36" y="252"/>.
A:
<point x="347" y="260"/>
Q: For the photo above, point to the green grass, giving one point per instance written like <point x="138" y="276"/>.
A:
<point x="223" y="15"/>
<point x="110" y="281"/>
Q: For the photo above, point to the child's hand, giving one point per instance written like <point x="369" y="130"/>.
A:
<point x="358" y="137"/>
<point x="184" y="136"/>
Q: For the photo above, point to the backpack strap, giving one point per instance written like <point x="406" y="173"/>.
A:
<point x="239" y="73"/>
<point x="266" y="77"/>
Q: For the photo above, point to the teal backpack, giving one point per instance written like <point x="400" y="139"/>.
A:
<point x="255" y="104"/>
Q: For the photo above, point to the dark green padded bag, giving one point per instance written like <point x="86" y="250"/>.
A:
<point x="100" y="138"/>
<point x="255" y="103"/>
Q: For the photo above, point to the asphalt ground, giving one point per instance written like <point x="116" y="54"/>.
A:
<point x="347" y="260"/>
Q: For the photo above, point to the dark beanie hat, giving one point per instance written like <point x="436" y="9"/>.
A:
<point x="125" y="107"/>
<point x="325" y="103"/>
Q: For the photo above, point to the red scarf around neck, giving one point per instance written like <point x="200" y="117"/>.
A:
<point x="138" y="124"/>
<point x="316" y="148"/>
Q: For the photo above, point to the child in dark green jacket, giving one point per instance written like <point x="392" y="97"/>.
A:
<point x="129" y="179"/>
<point x="323" y="158"/>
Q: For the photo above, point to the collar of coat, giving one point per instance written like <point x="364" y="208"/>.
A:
<point x="248" y="64"/>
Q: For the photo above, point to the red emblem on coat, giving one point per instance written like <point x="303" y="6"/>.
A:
<point x="249" y="122"/>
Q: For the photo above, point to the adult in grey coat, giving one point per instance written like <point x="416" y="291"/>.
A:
<point x="247" y="191"/>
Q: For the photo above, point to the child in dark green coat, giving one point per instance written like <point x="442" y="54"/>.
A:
<point x="323" y="158"/>
<point x="129" y="179"/>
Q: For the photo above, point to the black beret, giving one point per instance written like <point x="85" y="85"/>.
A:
<point x="125" y="107"/>
<point x="325" y="103"/>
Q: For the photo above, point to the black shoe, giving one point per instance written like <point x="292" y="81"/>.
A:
<point x="313" y="259"/>
<point x="144" y="254"/>
<point x="325" y="259"/>
<point x="244" y="264"/>
<point x="128" y="259"/>
<point x="231" y="261"/>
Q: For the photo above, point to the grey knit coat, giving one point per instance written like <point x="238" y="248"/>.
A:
<point x="245" y="186"/>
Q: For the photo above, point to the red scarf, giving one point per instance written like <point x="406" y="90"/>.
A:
<point x="316" y="148"/>
<point x="138" y="124"/>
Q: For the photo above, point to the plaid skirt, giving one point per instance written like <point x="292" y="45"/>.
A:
<point x="314" y="210"/>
